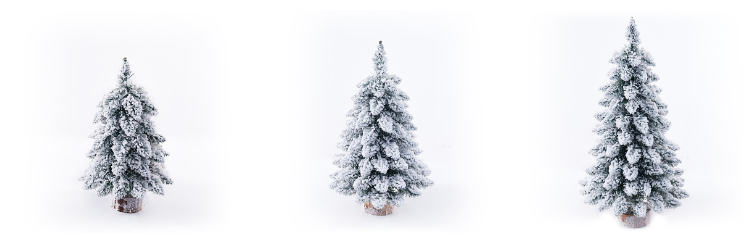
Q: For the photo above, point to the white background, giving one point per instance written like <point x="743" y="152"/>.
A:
<point x="72" y="67"/>
<point x="697" y="66"/>
<point x="429" y="51"/>
<point x="252" y="100"/>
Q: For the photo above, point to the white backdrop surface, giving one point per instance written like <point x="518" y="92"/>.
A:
<point x="73" y="62"/>
<point x="252" y="100"/>
<point x="429" y="51"/>
<point x="699" y="66"/>
<point x="699" y="72"/>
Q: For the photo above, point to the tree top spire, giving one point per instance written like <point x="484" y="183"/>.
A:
<point x="632" y="34"/>
<point x="125" y="73"/>
<point x="380" y="61"/>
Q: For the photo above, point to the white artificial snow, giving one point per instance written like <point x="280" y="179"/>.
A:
<point x="380" y="161"/>
<point x="126" y="158"/>
<point x="636" y="164"/>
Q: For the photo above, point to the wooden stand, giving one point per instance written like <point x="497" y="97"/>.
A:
<point x="629" y="220"/>
<point x="128" y="204"/>
<point x="369" y="209"/>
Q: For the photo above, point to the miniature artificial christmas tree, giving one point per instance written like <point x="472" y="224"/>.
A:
<point x="635" y="169"/>
<point x="127" y="158"/>
<point x="379" y="166"/>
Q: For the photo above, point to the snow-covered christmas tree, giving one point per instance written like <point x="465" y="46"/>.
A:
<point x="636" y="165"/>
<point x="126" y="158"/>
<point x="379" y="166"/>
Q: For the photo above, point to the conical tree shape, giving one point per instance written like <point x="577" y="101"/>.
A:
<point x="636" y="164"/>
<point x="126" y="158"/>
<point x="380" y="166"/>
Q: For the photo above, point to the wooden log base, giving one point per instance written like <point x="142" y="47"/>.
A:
<point x="369" y="209"/>
<point x="128" y="205"/>
<point x="629" y="220"/>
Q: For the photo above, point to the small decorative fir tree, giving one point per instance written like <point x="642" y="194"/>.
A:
<point x="379" y="166"/>
<point x="127" y="158"/>
<point x="636" y="164"/>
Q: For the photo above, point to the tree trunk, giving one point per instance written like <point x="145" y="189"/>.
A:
<point x="629" y="220"/>
<point x="387" y="209"/>
<point x="128" y="204"/>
